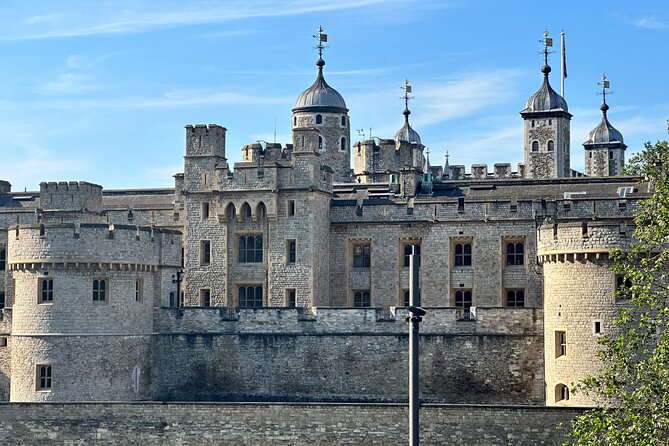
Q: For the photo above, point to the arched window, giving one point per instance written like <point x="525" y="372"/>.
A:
<point x="230" y="212"/>
<point x="551" y="146"/>
<point x="343" y="120"/>
<point x="535" y="146"/>
<point x="463" y="299"/>
<point x="261" y="211"/>
<point x="515" y="253"/>
<point x="407" y="252"/>
<point x="361" y="256"/>
<point x="515" y="298"/>
<point x="294" y="121"/>
<point x="362" y="299"/>
<point x="320" y="142"/>
<point x="319" y="119"/>
<point x="561" y="393"/>
<point x="99" y="290"/>
<point x="343" y="144"/>
<point x="250" y="296"/>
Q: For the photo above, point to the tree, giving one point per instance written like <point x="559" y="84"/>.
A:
<point x="632" y="389"/>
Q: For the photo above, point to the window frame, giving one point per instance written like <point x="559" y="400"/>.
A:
<point x="205" y="210"/>
<point x="100" y="296"/>
<point x="561" y="392"/>
<point x="535" y="146"/>
<point x="561" y="345"/>
<point x="251" y="286"/>
<point x="205" y="252"/>
<point x="3" y="258"/>
<point x="514" y="291"/>
<point x="513" y="257"/>
<point x="204" y="296"/>
<point x="361" y="298"/>
<point x="363" y="259"/>
<point x="45" y="296"/>
<point x="139" y="289"/>
<point x="406" y="250"/>
<point x="256" y="252"/>
<point x="463" y="259"/>
<point x="291" y="251"/>
<point x="43" y="378"/>
<point x="291" y="297"/>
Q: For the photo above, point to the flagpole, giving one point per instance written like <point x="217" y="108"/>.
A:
<point x="562" y="64"/>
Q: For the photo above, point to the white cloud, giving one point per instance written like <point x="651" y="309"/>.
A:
<point x="131" y="20"/>
<point x="68" y="83"/>
<point x="652" y="23"/>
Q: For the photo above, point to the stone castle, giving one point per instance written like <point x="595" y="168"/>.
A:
<point x="285" y="277"/>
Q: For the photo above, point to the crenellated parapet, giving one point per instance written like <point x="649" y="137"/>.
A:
<point x="80" y="201"/>
<point x="582" y="240"/>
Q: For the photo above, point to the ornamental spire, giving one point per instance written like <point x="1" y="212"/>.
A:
<point x="407" y="89"/>
<point x="547" y="42"/>
<point x="321" y="38"/>
<point x="605" y="84"/>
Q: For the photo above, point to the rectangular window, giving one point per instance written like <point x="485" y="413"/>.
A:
<point x="250" y="296"/>
<point x="290" y="208"/>
<point x="515" y="298"/>
<point x="623" y="287"/>
<point x="596" y="327"/>
<point x="139" y="290"/>
<point x="291" y="297"/>
<point x="100" y="288"/>
<point x="205" y="252"/>
<point x="362" y="298"/>
<point x="408" y="247"/>
<point x="462" y="253"/>
<point x="45" y="291"/>
<point x="3" y="259"/>
<point x="290" y="251"/>
<point x="515" y="252"/>
<point x="250" y="248"/>
<point x="204" y="210"/>
<point x="43" y="377"/>
<point x="205" y="297"/>
<point x="560" y="343"/>
<point x="362" y="256"/>
<point x="2" y="300"/>
<point x="3" y="341"/>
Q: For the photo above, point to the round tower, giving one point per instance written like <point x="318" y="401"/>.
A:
<point x="579" y="301"/>
<point x="83" y="305"/>
<point x="605" y="148"/>
<point x="547" y="122"/>
<point x="321" y="108"/>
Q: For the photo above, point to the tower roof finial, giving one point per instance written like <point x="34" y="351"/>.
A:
<point x="321" y="38"/>
<point x="605" y="84"/>
<point x="407" y="89"/>
<point x="547" y="42"/>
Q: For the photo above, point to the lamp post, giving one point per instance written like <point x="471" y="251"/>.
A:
<point x="415" y="318"/>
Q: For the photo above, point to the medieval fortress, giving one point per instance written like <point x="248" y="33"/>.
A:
<point x="285" y="276"/>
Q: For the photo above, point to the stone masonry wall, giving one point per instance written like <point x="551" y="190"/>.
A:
<point x="277" y="424"/>
<point x="346" y="355"/>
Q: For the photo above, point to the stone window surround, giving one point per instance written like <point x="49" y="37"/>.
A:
<point x="139" y="289"/>
<point x="43" y="377"/>
<point x="462" y="240"/>
<point x="515" y="239"/>
<point x="560" y="344"/>
<point x="101" y="294"/>
<point x="362" y="296"/>
<point x="561" y="392"/>
<point x="205" y="210"/>
<point x="291" y="297"/>
<point x="517" y="299"/>
<point x="291" y="251"/>
<point x="205" y="252"/>
<point x="463" y="298"/>
<point x="45" y="295"/>
<point x="353" y="243"/>
<point x="404" y="243"/>
<point x="3" y="258"/>
<point x="248" y="250"/>
<point x="247" y="286"/>
<point x="204" y="296"/>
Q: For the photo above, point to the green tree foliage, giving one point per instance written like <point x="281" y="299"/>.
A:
<point x="632" y="389"/>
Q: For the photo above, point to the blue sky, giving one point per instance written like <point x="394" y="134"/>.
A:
<point x="100" y="91"/>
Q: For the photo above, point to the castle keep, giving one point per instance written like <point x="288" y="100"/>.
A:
<point x="285" y="276"/>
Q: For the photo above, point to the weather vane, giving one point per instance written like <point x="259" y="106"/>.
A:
<point x="547" y="41"/>
<point x="407" y="89"/>
<point x="321" y="38"/>
<point x="605" y="84"/>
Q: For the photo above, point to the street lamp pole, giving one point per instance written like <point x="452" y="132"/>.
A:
<point x="415" y="318"/>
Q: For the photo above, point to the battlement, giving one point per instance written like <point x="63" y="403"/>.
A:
<point x="5" y="187"/>
<point x="205" y="140"/>
<point x="317" y="320"/>
<point x="80" y="244"/>
<point x="266" y="152"/>
<point x="582" y="241"/>
<point x="71" y="196"/>
<point x="482" y="172"/>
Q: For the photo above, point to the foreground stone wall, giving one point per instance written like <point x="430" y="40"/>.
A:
<point x="276" y="424"/>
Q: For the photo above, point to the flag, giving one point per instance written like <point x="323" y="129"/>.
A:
<point x="564" y="58"/>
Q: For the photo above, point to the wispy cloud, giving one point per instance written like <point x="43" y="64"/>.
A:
<point x="68" y="83"/>
<point x="134" y="21"/>
<point x="652" y="22"/>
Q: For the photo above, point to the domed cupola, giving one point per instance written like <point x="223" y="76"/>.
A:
<point x="545" y="99"/>
<point x="604" y="132"/>
<point x="605" y="148"/>
<point x="547" y="124"/>
<point x="320" y="121"/>
<point x="320" y="96"/>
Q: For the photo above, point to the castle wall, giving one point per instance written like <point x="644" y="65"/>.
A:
<point x="278" y="424"/>
<point x="346" y="355"/>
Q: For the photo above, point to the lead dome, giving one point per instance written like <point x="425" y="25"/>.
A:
<point x="320" y="96"/>
<point x="545" y="99"/>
